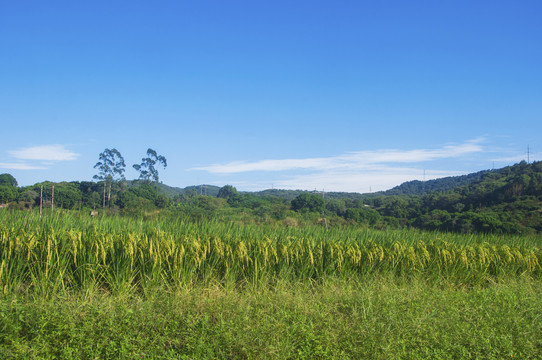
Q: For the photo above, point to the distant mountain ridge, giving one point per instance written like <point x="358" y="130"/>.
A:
<point x="414" y="187"/>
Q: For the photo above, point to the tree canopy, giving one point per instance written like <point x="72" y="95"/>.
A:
<point x="227" y="191"/>
<point x="147" y="168"/>
<point x="308" y="202"/>
<point x="8" y="180"/>
<point x="110" y="165"/>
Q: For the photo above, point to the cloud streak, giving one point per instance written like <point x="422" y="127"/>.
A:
<point x="20" y="166"/>
<point x="377" y="179"/>
<point x="357" y="171"/>
<point x="359" y="160"/>
<point x="44" y="153"/>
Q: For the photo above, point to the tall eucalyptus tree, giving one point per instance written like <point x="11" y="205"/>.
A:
<point x="147" y="168"/>
<point x="111" y="169"/>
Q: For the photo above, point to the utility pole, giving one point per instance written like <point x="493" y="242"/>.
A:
<point x="52" y="197"/>
<point x="41" y="197"/>
<point x="103" y="203"/>
<point x="324" y="209"/>
<point x="528" y="154"/>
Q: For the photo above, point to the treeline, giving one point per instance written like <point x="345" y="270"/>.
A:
<point x="507" y="200"/>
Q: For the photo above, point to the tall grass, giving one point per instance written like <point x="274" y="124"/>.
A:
<point x="70" y="251"/>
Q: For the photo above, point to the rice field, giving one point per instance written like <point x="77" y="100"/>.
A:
<point x="70" y="252"/>
<point x="73" y="287"/>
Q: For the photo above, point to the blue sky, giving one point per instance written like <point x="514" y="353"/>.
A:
<point x="334" y="95"/>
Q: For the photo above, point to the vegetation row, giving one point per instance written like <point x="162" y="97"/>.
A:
<point x="63" y="252"/>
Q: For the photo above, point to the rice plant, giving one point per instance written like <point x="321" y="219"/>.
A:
<point x="70" y="251"/>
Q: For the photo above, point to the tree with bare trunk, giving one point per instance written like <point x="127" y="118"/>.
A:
<point x="111" y="169"/>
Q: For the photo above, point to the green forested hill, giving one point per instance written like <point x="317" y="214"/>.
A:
<point x="417" y="187"/>
<point x="504" y="200"/>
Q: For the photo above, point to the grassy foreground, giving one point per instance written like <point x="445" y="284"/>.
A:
<point x="73" y="287"/>
<point x="381" y="318"/>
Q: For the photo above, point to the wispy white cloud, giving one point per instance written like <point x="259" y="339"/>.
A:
<point x="44" y="153"/>
<point x="358" y="160"/>
<point x="357" y="171"/>
<point x="20" y="166"/>
<point x="377" y="179"/>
